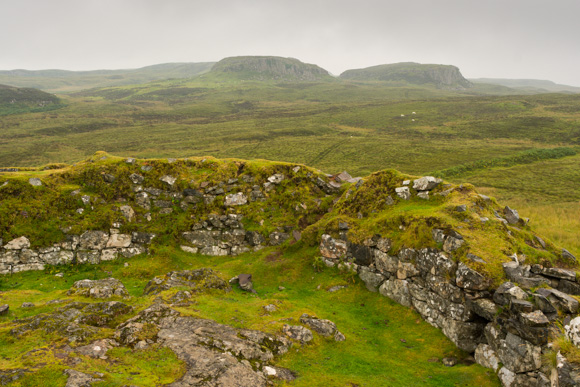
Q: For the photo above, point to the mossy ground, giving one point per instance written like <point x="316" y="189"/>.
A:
<point x="387" y="344"/>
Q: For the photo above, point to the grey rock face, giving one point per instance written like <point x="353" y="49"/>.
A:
<point x="219" y="355"/>
<point x="105" y="288"/>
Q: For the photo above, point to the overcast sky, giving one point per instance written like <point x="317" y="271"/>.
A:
<point x="537" y="39"/>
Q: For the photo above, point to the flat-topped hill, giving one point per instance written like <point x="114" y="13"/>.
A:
<point x="444" y="76"/>
<point x="264" y="68"/>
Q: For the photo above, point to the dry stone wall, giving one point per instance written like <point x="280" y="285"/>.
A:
<point x="508" y="328"/>
<point x="90" y="247"/>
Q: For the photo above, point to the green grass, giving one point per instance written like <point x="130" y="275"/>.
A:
<point x="373" y="354"/>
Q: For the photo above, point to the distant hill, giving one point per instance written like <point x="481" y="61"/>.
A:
<point x="443" y="76"/>
<point x="63" y="81"/>
<point x="266" y="68"/>
<point x="22" y="100"/>
<point x="529" y="85"/>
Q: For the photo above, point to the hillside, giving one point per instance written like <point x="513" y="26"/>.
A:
<point x="63" y="81"/>
<point x="15" y="100"/>
<point x="529" y="85"/>
<point x="443" y="76"/>
<point x="270" y="68"/>
<point x="343" y="271"/>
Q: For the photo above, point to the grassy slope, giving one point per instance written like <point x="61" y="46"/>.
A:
<point x="382" y="338"/>
<point x="330" y="125"/>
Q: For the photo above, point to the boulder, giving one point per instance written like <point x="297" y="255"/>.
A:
<point x="519" y="355"/>
<point x="559" y="299"/>
<point x="568" y="255"/>
<point x="196" y="280"/>
<point x="426" y="183"/>
<point x="403" y="193"/>
<point x="371" y="279"/>
<point x="465" y="335"/>
<point x="572" y="330"/>
<point x="332" y="248"/>
<point x="397" y="290"/>
<point x="297" y="332"/>
<point x="35" y="182"/>
<point x="451" y="244"/>
<point x="128" y="213"/>
<point x="507" y="292"/>
<point x="277" y="238"/>
<point x="276" y="178"/>
<point x="105" y="288"/>
<point x="470" y="279"/>
<point x="18" y="244"/>
<point x="79" y="379"/>
<point x="486" y="357"/>
<point x="94" y="240"/>
<point x="4" y="309"/>
<point x="511" y="215"/>
<point x="119" y="240"/>
<point x="323" y="327"/>
<point x="237" y="199"/>
<point x="169" y="180"/>
<point x="136" y="178"/>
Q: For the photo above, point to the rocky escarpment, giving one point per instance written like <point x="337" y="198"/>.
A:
<point x="443" y="76"/>
<point x="265" y="68"/>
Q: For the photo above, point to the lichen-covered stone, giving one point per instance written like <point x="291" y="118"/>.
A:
<point x="297" y="332"/>
<point x="18" y="244"/>
<point x="105" y="288"/>
<point x="323" y="327"/>
<point x="332" y="248"/>
<point x="196" y="280"/>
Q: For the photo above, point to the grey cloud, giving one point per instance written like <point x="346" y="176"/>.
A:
<point x="492" y="38"/>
